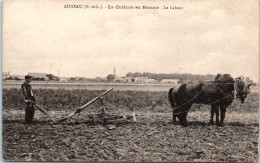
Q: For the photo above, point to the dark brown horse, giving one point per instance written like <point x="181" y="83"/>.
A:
<point x="241" y="89"/>
<point x="218" y="93"/>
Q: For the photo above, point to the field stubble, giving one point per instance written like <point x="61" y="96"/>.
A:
<point x="152" y="138"/>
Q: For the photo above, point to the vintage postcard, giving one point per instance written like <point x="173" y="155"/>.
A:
<point x="130" y="81"/>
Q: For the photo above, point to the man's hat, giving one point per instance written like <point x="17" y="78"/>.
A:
<point x="28" y="77"/>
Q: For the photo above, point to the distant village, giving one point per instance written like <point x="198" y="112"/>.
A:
<point x="7" y="76"/>
<point x="137" y="77"/>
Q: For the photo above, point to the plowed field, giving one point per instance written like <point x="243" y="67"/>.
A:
<point x="152" y="138"/>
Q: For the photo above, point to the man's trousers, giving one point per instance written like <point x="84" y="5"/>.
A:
<point x="29" y="112"/>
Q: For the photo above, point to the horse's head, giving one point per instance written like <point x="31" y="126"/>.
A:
<point x="243" y="89"/>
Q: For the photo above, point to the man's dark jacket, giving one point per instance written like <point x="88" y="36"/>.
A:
<point x="27" y="92"/>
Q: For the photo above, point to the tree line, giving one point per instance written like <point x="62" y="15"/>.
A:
<point x="181" y="77"/>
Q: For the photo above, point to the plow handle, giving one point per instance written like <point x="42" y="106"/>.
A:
<point x="95" y="99"/>
<point x="42" y="110"/>
<point x="90" y="102"/>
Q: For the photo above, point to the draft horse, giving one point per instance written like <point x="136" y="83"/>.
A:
<point x="241" y="89"/>
<point x="218" y="93"/>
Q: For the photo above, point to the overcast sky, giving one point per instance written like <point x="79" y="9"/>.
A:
<point x="206" y="37"/>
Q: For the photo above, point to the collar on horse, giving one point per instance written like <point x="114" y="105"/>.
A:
<point x="235" y="90"/>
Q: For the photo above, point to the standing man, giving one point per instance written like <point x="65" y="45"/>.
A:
<point x="29" y="99"/>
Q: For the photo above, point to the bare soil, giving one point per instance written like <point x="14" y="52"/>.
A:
<point x="152" y="138"/>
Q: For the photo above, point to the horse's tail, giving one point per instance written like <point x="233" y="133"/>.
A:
<point x="170" y="96"/>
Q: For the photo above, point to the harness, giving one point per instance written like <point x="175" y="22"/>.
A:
<point x="236" y="89"/>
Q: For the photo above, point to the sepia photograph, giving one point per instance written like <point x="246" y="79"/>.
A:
<point x="130" y="81"/>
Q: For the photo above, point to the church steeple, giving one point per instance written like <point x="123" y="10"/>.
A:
<point x="114" y="71"/>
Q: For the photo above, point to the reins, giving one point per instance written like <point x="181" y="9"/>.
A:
<point x="190" y="99"/>
<point x="204" y="104"/>
<point x="236" y="89"/>
<point x="235" y="92"/>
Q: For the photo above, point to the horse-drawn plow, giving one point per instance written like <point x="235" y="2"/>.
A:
<point x="104" y="115"/>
